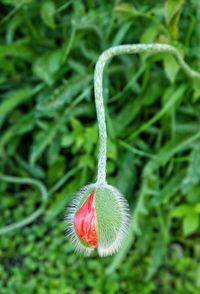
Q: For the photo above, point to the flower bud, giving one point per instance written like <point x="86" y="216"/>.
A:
<point x="98" y="218"/>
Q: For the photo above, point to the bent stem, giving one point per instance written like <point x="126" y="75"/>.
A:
<point x="98" y="89"/>
<point x="29" y="219"/>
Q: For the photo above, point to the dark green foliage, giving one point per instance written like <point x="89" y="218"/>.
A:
<point x="48" y="50"/>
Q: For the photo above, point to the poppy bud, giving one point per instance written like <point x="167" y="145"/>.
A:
<point x="98" y="218"/>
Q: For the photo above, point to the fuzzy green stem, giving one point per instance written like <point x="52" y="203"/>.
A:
<point x="98" y="89"/>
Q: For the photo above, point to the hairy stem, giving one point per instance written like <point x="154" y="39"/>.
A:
<point x="98" y="89"/>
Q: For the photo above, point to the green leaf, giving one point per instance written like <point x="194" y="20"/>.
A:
<point x="196" y="90"/>
<point x="16" y="50"/>
<point x="149" y="34"/>
<point x="190" y="223"/>
<point x="112" y="151"/>
<point x="56" y="169"/>
<point x="47" y="66"/>
<point x="47" y="13"/>
<point x="171" y="96"/>
<point x="170" y="149"/>
<point x="67" y="139"/>
<point x="171" y="67"/>
<point x="86" y="160"/>
<point x="13" y="99"/>
<point x="126" y="9"/>
<point x="172" y="13"/>
<point x="172" y="8"/>
<point x="16" y="2"/>
<point x="121" y="34"/>
<point x="197" y="208"/>
<point x="171" y="187"/>
<point x="182" y="210"/>
<point x="42" y="139"/>
<point x="193" y="171"/>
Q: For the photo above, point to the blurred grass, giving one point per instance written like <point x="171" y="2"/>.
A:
<point x="48" y="133"/>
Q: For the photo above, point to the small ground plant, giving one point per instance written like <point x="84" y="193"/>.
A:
<point x="49" y="143"/>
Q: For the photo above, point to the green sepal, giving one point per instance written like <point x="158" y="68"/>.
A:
<point x="108" y="215"/>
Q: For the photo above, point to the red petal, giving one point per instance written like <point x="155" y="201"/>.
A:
<point x="85" y="221"/>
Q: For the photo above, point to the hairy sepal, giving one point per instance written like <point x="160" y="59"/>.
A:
<point x="112" y="215"/>
<point x="112" y="219"/>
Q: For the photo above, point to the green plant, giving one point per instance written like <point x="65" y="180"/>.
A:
<point x="102" y="221"/>
<point x="49" y="133"/>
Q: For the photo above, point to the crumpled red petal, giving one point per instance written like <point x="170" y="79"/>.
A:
<point x="85" y="221"/>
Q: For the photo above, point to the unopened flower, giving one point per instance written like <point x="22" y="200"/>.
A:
<point x="98" y="218"/>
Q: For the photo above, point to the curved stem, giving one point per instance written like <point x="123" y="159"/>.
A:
<point x="98" y="89"/>
<point x="29" y="219"/>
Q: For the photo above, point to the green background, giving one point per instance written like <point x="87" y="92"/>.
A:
<point x="48" y="132"/>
